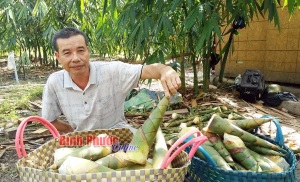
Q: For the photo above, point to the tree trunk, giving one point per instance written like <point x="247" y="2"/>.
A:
<point x="223" y="62"/>
<point x="206" y="66"/>
<point x="182" y="71"/>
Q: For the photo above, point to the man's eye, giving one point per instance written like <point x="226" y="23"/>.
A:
<point x="66" y="53"/>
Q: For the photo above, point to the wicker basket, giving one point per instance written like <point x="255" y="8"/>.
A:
<point x="200" y="170"/>
<point x="33" y="168"/>
<point x="203" y="171"/>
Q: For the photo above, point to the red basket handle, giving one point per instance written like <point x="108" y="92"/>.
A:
<point x="196" y="142"/>
<point x="19" y="141"/>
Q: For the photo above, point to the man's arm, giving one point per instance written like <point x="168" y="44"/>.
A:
<point x="62" y="127"/>
<point x="168" y="76"/>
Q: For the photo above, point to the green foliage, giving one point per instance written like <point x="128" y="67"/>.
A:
<point x="140" y="29"/>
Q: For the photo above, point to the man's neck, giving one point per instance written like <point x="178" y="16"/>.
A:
<point x="81" y="80"/>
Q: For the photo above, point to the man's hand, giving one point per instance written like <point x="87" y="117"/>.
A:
<point x="170" y="81"/>
<point x="168" y="76"/>
<point x="62" y="127"/>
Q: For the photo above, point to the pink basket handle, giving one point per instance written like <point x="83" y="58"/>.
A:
<point x="19" y="141"/>
<point x="195" y="141"/>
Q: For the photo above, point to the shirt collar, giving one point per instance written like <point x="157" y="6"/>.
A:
<point x="68" y="83"/>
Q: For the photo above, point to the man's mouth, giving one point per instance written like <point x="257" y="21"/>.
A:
<point x="76" y="67"/>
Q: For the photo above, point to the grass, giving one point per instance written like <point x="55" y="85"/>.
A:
<point x="16" y="99"/>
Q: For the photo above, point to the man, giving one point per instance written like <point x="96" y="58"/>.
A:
<point x="91" y="95"/>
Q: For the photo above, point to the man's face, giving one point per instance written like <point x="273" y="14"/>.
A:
<point x="73" y="54"/>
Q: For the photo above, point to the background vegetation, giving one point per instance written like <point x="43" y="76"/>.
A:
<point x="185" y="31"/>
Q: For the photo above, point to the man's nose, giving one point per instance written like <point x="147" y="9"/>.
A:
<point x="75" y="57"/>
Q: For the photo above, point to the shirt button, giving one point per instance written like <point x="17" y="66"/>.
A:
<point x="83" y="93"/>
<point x="85" y="102"/>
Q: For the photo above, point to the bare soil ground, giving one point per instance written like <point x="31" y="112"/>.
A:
<point x="8" y="170"/>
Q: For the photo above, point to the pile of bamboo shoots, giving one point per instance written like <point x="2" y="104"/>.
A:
<point x="89" y="158"/>
<point x="232" y="147"/>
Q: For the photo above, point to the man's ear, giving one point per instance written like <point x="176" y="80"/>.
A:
<point x="56" y="54"/>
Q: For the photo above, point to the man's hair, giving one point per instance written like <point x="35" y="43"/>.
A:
<point x="67" y="33"/>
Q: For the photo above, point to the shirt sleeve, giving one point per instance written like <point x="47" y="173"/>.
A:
<point x="130" y="75"/>
<point x="50" y="105"/>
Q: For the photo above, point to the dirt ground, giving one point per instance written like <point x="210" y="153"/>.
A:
<point x="8" y="170"/>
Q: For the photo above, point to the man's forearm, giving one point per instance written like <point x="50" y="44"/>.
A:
<point x="62" y="127"/>
<point x="152" y="71"/>
<point x="169" y="78"/>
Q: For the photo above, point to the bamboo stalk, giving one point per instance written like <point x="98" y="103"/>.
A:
<point x="178" y="122"/>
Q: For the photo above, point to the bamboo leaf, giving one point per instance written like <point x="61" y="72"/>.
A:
<point x="191" y="19"/>
<point x="166" y="26"/>
<point x="161" y="56"/>
<point x="82" y="6"/>
<point x="276" y="18"/>
<point x="104" y="7"/>
<point x="216" y="27"/>
<point x="175" y="4"/>
<point x="114" y="11"/>
<point x="229" y="5"/>
<point x="36" y="7"/>
<point x="291" y="4"/>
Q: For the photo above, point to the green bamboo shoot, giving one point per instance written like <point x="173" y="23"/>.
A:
<point x="145" y="135"/>
<point x="237" y="166"/>
<point x="266" y="164"/>
<point x="262" y="150"/>
<point x="76" y="165"/>
<point x="160" y="150"/>
<point x="280" y="161"/>
<point x="115" y="160"/>
<point x="220" y="161"/>
<point x="217" y="143"/>
<point x="208" y="147"/>
<point x="86" y="152"/>
<point x="220" y="126"/>
<point x="239" y="152"/>
<point x="61" y="153"/>
<point x="247" y="124"/>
